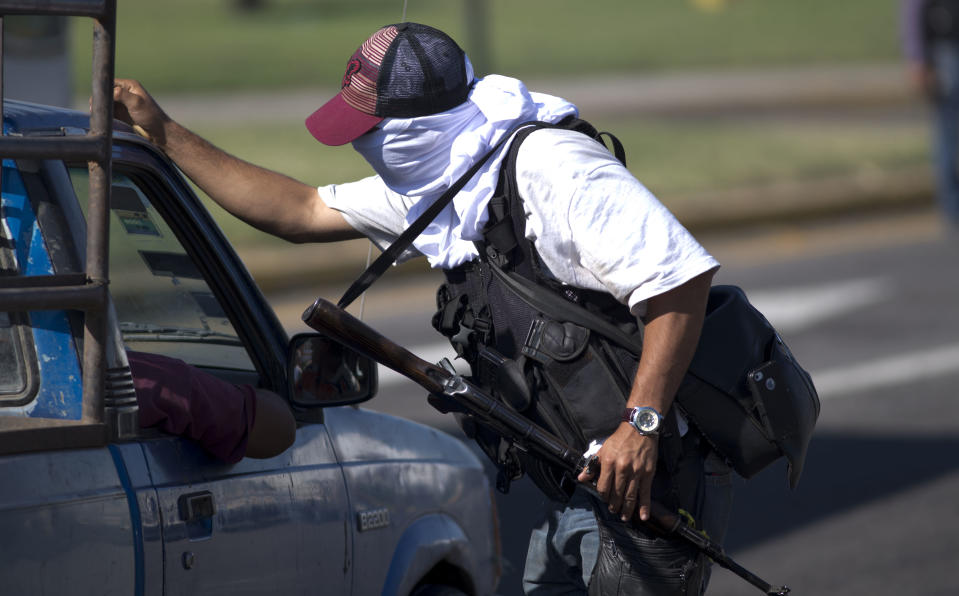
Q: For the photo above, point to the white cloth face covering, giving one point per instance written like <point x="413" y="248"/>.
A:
<point x="422" y="157"/>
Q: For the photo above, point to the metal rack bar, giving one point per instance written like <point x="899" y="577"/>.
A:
<point x="87" y="292"/>
<point x="87" y="148"/>
<point x="85" y="297"/>
<point x="66" y="8"/>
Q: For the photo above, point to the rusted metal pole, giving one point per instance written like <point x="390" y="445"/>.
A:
<point x="98" y="213"/>
<point x="1" y="99"/>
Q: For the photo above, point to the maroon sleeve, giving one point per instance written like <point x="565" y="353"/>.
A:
<point x="184" y="400"/>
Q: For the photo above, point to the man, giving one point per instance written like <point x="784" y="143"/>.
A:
<point x="930" y="35"/>
<point x="412" y="107"/>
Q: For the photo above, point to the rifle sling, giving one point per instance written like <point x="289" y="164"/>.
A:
<point x="394" y="250"/>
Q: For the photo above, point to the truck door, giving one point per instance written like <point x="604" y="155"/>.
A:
<point x="226" y="529"/>
<point x="70" y="520"/>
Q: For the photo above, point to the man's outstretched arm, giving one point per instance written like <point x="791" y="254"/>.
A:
<point x="267" y="200"/>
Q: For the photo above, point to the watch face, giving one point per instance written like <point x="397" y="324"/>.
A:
<point x="646" y="420"/>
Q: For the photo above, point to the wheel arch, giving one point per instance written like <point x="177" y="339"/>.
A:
<point x="433" y="550"/>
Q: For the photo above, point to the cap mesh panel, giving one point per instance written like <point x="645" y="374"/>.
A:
<point x="424" y="72"/>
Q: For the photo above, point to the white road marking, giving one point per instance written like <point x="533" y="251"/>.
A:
<point x="843" y="381"/>
<point x="794" y="309"/>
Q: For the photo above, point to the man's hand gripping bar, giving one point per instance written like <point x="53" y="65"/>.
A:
<point x="338" y="324"/>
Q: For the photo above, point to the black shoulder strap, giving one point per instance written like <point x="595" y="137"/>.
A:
<point x="504" y="239"/>
<point x="517" y="269"/>
<point x="393" y="251"/>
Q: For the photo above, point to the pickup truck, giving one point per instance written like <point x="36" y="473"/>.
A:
<point x="362" y="503"/>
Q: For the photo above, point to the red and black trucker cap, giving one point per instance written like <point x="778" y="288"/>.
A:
<point x="402" y="71"/>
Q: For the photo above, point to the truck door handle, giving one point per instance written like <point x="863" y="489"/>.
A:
<point x="196" y="506"/>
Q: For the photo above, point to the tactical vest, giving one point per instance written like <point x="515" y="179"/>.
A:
<point x="565" y="357"/>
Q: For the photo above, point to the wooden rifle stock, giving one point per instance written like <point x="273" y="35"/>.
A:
<point x="335" y="322"/>
<point x="338" y="324"/>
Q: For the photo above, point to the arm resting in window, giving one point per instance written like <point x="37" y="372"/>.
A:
<point x="229" y="421"/>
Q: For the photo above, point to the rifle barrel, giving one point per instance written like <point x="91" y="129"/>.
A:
<point x="332" y="320"/>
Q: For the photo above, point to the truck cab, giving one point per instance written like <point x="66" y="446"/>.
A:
<point x="105" y="251"/>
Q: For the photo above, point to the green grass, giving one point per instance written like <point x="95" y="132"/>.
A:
<point x="207" y="45"/>
<point x="686" y="156"/>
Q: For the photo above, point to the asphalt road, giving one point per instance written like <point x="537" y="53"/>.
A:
<point x="868" y="305"/>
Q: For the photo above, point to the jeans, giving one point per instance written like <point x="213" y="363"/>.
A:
<point x="564" y="549"/>
<point x="946" y="127"/>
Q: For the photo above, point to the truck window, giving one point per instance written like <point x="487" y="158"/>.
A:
<point x="13" y="380"/>
<point x="12" y="371"/>
<point x="163" y="303"/>
<point x="18" y="379"/>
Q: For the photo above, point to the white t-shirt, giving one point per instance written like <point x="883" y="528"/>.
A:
<point x="593" y="224"/>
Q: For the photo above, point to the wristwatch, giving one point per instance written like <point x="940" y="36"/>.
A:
<point x="647" y="421"/>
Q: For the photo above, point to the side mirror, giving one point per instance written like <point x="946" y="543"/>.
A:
<point x="324" y="373"/>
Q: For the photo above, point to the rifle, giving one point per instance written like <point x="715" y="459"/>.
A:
<point x="338" y="324"/>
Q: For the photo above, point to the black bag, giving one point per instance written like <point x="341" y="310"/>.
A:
<point x="745" y="391"/>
